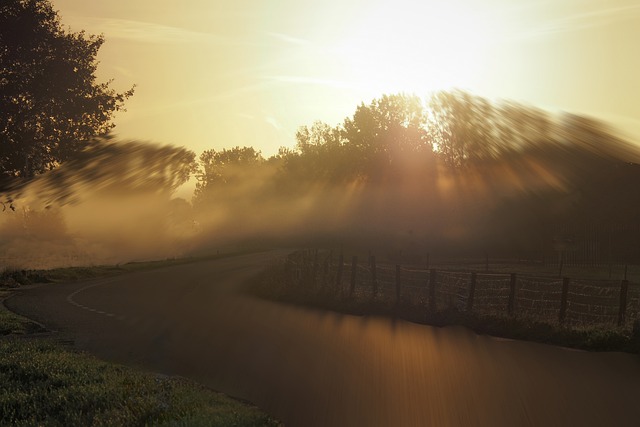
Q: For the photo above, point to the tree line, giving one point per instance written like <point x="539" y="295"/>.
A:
<point x="455" y="169"/>
<point x="450" y="132"/>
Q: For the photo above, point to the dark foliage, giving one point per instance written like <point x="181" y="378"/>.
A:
<point x="454" y="171"/>
<point x="117" y="167"/>
<point x="50" y="102"/>
<point x="225" y="168"/>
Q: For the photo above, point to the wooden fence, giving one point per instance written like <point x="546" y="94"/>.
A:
<point x="564" y="301"/>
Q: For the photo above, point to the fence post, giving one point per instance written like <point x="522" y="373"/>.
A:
<point x="374" y="280"/>
<point x="306" y="268"/>
<point x="563" y="300"/>
<point x="354" y="267"/>
<point x="433" y="276"/>
<point x="287" y="271"/>
<point x="622" y="312"/>
<point x="472" y="292"/>
<point x="325" y="270"/>
<point x="561" y="263"/>
<point x="299" y="270"/>
<point x="428" y="256"/>
<point x="339" y="275"/>
<point x="512" y="294"/>
<point x="398" y="284"/>
<point x="314" y="273"/>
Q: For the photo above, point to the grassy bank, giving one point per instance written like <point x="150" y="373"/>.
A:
<point x="15" y="277"/>
<point x="272" y="284"/>
<point x="47" y="383"/>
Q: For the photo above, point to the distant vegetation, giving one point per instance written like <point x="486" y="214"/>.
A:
<point x="452" y="171"/>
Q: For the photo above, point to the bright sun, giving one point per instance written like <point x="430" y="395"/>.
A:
<point x="403" y="46"/>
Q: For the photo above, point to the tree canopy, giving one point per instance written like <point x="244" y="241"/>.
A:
<point x="224" y="168"/>
<point x="51" y="103"/>
<point x="510" y="166"/>
<point x="387" y="133"/>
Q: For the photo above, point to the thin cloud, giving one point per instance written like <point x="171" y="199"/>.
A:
<point x="123" y="71"/>
<point x="288" y="39"/>
<point x="185" y="104"/>
<point x="149" y="32"/>
<point x="584" y="21"/>
<point x="312" y="81"/>
<point x="273" y="122"/>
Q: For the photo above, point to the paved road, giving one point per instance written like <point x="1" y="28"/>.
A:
<point x="313" y="368"/>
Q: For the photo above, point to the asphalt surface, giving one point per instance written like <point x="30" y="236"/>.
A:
<point x="314" y="368"/>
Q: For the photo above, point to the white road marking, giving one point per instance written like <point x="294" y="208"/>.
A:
<point x="72" y="301"/>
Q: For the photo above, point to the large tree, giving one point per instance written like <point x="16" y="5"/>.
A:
<point x="320" y="154"/>
<point x="51" y="103"/>
<point x="388" y="133"/>
<point x="464" y="127"/>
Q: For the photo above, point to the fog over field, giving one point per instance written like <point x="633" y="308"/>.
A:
<point x="408" y="186"/>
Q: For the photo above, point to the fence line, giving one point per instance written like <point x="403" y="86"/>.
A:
<point x="564" y="301"/>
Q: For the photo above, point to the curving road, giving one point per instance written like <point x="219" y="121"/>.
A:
<point x="313" y="368"/>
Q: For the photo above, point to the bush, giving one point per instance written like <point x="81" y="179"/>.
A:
<point x="13" y="278"/>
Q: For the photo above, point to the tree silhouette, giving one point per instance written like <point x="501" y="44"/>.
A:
<point x="225" y="167"/>
<point x="50" y="102"/>
<point x="463" y="128"/>
<point x="114" y="167"/>
<point x="385" y="134"/>
<point x="466" y="173"/>
<point x="386" y="138"/>
<point x="319" y="155"/>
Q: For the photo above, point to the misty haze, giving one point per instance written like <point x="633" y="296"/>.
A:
<point x="241" y="214"/>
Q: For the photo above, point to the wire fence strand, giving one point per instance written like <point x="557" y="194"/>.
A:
<point x="586" y="302"/>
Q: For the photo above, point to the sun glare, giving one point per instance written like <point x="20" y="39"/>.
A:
<point x="402" y="47"/>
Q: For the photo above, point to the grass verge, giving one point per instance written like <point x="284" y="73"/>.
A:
<point x="46" y="384"/>
<point x="14" y="277"/>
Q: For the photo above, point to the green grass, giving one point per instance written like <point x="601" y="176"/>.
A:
<point x="46" y="384"/>
<point x="13" y="324"/>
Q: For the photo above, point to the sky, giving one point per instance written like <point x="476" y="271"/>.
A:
<point x="224" y="73"/>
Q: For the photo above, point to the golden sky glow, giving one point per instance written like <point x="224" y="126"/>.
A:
<point x="214" y="74"/>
